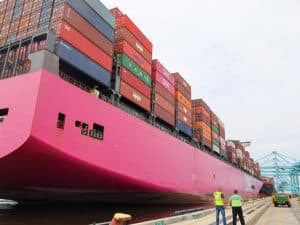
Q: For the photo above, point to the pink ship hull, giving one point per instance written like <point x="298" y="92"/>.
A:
<point x="135" y="162"/>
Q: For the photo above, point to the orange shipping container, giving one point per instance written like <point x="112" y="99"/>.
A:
<point x="179" y="79"/>
<point x="186" y="102"/>
<point x="134" y="96"/>
<point x="204" y="127"/>
<point x="200" y="134"/>
<point x="162" y="102"/>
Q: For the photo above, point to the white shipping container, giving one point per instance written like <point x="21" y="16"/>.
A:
<point x="222" y="141"/>
<point x="230" y="144"/>
<point x="239" y="153"/>
<point x="216" y="149"/>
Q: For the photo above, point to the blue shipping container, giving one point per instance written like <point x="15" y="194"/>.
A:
<point x="82" y="63"/>
<point x="92" y="17"/>
<point x="184" y="128"/>
<point x="102" y="11"/>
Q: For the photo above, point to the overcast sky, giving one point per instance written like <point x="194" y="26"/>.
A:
<point x="241" y="57"/>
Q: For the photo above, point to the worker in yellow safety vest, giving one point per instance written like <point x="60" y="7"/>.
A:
<point x="219" y="203"/>
<point x="236" y="203"/>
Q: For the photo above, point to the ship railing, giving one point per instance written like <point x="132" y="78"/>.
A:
<point x="74" y="81"/>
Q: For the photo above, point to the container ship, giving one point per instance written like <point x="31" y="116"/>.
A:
<point x="86" y="114"/>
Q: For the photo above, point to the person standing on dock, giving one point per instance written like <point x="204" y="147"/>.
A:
<point x="219" y="203"/>
<point x="236" y="203"/>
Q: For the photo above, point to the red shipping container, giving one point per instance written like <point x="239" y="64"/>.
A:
<point x="34" y="18"/>
<point x="163" y="92"/>
<point x="158" y="77"/>
<point x="85" y="28"/>
<point x="182" y="81"/>
<point x="27" y="8"/>
<point x="132" y="80"/>
<point x="162" y="102"/>
<point x="37" y="5"/>
<point x="214" y="119"/>
<point x="125" y="21"/>
<point x="200" y="102"/>
<point x="222" y="132"/>
<point x="72" y="36"/>
<point x="201" y="110"/>
<point x="2" y="41"/>
<point x="179" y="87"/>
<point x="124" y="34"/>
<point x="124" y="47"/>
<point x="157" y="66"/>
<point x="183" y="118"/>
<point x="134" y="96"/>
<point x="164" y="115"/>
<point x="14" y="26"/>
<point x="201" y="116"/>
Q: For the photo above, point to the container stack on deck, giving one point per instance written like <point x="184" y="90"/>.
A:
<point x="223" y="151"/>
<point x="240" y="153"/>
<point x="183" y="105"/>
<point x="231" y="152"/>
<point x="85" y="30"/>
<point x="134" y="51"/>
<point x="215" y="132"/>
<point x="202" y="122"/>
<point x="163" y="93"/>
<point x="89" y="36"/>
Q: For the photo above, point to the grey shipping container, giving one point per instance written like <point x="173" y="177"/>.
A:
<point x="82" y="63"/>
<point x="102" y="11"/>
<point x="92" y="17"/>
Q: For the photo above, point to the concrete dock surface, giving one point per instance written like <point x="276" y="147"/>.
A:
<point x="259" y="212"/>
<point x="281" y="215"/>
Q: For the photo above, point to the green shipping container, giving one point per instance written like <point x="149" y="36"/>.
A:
<point x="215" y="142"/>
<point x="215" y="129"/>
<point x="102" y="11"/>
<point x="136" y="70"/>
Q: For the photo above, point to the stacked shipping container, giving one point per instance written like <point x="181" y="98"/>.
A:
<point x="163" y="93"/>
<point x="85" y="29"/>
<point x="215" y="132"/>
<point x="134" y="51"/>
<point x="183" y="105"/>
<point x="231" y="152"/>
<point x="240" y="153"/>
<point x="202" y="123"/>
<point x="88" y="40"/>
<point x="222" y="139"/>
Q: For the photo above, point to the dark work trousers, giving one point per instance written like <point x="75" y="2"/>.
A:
<point x="237" y="211"/>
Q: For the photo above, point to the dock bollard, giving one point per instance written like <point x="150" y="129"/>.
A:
<point x="120" y="218"/>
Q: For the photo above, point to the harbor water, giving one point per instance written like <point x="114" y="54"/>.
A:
<point x="80" y="214"/>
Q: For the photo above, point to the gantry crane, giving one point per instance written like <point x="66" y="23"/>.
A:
<point x="283" y="169"/>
